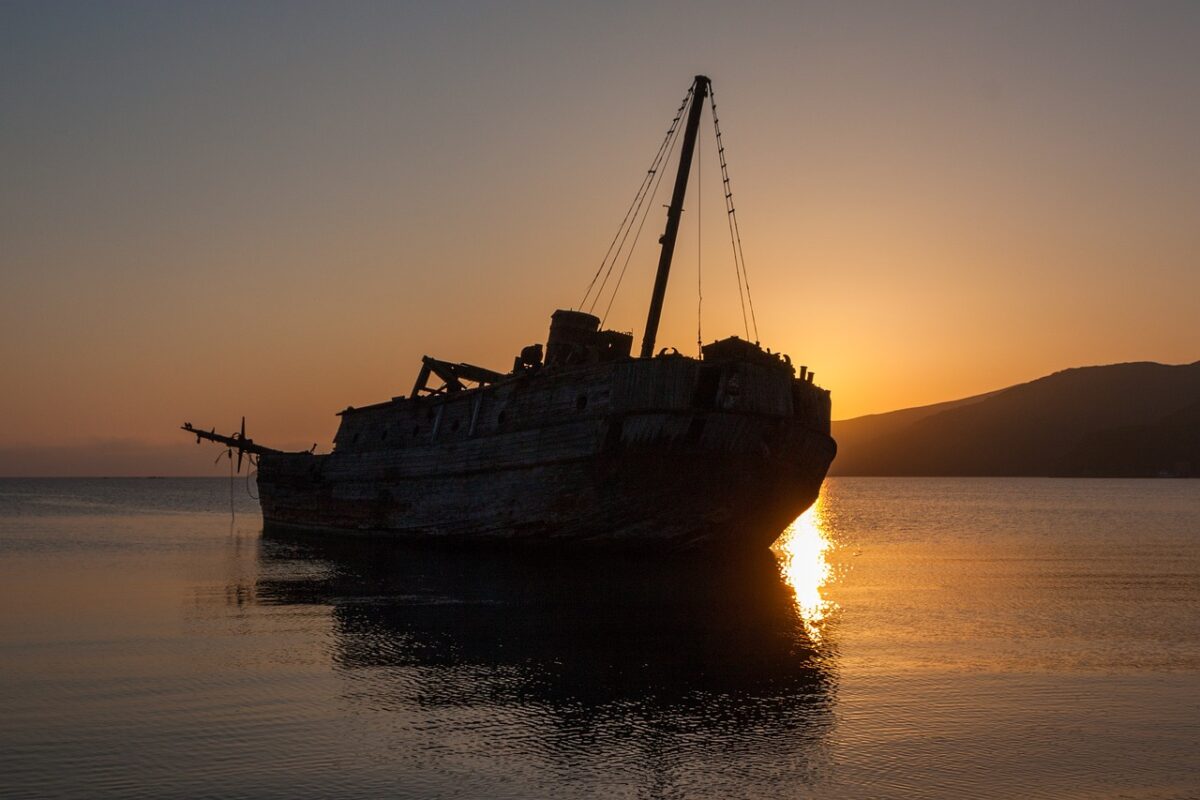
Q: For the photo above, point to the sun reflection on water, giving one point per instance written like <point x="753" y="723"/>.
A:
<point x="803" y="551"/>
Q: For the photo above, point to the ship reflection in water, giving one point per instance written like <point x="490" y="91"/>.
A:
<point x="628" y="668"/>
<point x="803" y="552"/>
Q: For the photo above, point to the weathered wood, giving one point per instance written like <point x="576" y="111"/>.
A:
<point x="585" y="447"/>
<point x="452" y="375"/>
<point x="618" y="454"/>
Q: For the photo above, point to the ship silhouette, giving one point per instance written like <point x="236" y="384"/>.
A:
<point x="581" y="444"/>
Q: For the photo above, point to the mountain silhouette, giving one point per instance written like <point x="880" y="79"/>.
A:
<point x="1122" y="420"/>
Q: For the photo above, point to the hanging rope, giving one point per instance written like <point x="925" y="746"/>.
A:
<point x="735" y="234"/>
<point x="699" y="247"/>
<point x="232" y="513"/>
<point x="641" y="224"/>
<point x="648" y="187"/>
<point x="251" y="469"/>
<point x="672" y="138"/>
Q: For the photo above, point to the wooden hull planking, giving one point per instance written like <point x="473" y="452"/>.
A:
<point x="665" y="453"/>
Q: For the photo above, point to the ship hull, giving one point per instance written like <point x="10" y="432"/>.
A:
<point x="646" y="462"/>
<point x="643" y="499"/>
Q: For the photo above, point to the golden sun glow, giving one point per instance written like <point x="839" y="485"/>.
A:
<point x="802" y="551"/>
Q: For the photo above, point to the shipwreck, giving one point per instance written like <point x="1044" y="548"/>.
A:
<point x="581" y="444"/>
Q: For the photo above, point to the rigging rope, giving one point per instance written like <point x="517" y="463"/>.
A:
<point x="653" y="177"/>
<point x="735" y="234"/>
<point x="251" y="468"/>
<point x="645" y="214"/>
<point x="232" y="513"/>
<point x="699" y="247"/>
<point x="669" y="142"/>
<point x="635" y="219"/>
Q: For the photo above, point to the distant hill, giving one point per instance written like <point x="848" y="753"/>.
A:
<point x="1121" y="420"/>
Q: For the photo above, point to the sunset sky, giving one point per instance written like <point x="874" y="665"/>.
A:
<point x="217" y="209"/>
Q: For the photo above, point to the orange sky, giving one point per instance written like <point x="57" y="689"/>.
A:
<point x="276" y="210"/>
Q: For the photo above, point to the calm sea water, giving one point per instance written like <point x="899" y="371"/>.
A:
<point x="909" y="638"/>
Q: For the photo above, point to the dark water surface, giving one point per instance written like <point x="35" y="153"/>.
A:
<point x="909" y="638"/>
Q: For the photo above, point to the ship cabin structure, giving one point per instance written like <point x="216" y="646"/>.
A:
<point x="588" y="377"/>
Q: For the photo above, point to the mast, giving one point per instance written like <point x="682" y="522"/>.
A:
<point x="699" y="93"/>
